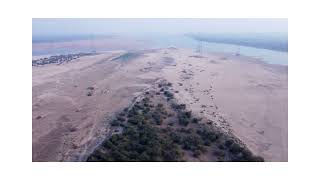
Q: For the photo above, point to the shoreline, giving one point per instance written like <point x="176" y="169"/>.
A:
<point x="228" y="55"/>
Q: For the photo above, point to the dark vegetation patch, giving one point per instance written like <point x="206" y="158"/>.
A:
<point x="90" y="91"/>
<point x="127" y="56"/>
<point x="59" y="59"/>
<point x="158" y="129"/>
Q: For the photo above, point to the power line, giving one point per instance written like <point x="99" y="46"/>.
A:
<point x="199" y="48"/>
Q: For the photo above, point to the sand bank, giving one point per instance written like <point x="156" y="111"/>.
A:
<point x="242" y="95"/>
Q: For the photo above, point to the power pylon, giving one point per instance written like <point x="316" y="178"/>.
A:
<point x="238" y="52"/>
<point x="199" y="48"/>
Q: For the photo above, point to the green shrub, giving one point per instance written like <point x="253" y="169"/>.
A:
<point x="179" y="107"/>
<point x="115" y="123"/>
<point x="159" y="122"/>
<point x="196" y="153"/>
<point x="219" y="153"/>
<point x="228" y="142"/>
<point x="192" y="142"/>
<point x="121" y="119"/>
<point x="207" y="143"/>
<point x="175" y="137"/>
<point x="183" y="121"/>
<point x="134" y="120"/>
<point x="157" y="118"/>
<point x="257" y="159"/>
<point x="221" y="147"/>
<point x="207" y="134"/>
<point x="146" y="99"/>
<point x="195" y="120"/>
<point x="188" y="114"/>
<point x="235" y="148"/>
<point x="168" y="94"/>
<point x="89" y="93"/>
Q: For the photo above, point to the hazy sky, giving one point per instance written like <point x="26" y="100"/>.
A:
<point x="175" y="26"/>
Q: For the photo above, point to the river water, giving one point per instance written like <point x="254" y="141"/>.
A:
<point x="179" y="41"/>
<point x="269" y="56"/>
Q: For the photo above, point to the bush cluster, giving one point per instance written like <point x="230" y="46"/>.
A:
<point x="144" y="138"/>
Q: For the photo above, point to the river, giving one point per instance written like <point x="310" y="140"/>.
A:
<point x="164" y="41"/>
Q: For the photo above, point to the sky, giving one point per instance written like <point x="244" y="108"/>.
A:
<point x="65" y="26"/>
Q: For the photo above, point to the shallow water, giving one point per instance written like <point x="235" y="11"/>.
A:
<point x="269" y="56"/>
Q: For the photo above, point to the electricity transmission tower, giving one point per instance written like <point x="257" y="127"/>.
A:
<point x="238" y="52"/>
<point x="199" y="48"/>
<point x="92" y="43"/>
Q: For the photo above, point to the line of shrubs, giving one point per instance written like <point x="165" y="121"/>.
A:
<point x="144" y="139"/>
<point x="141" y="140"/>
